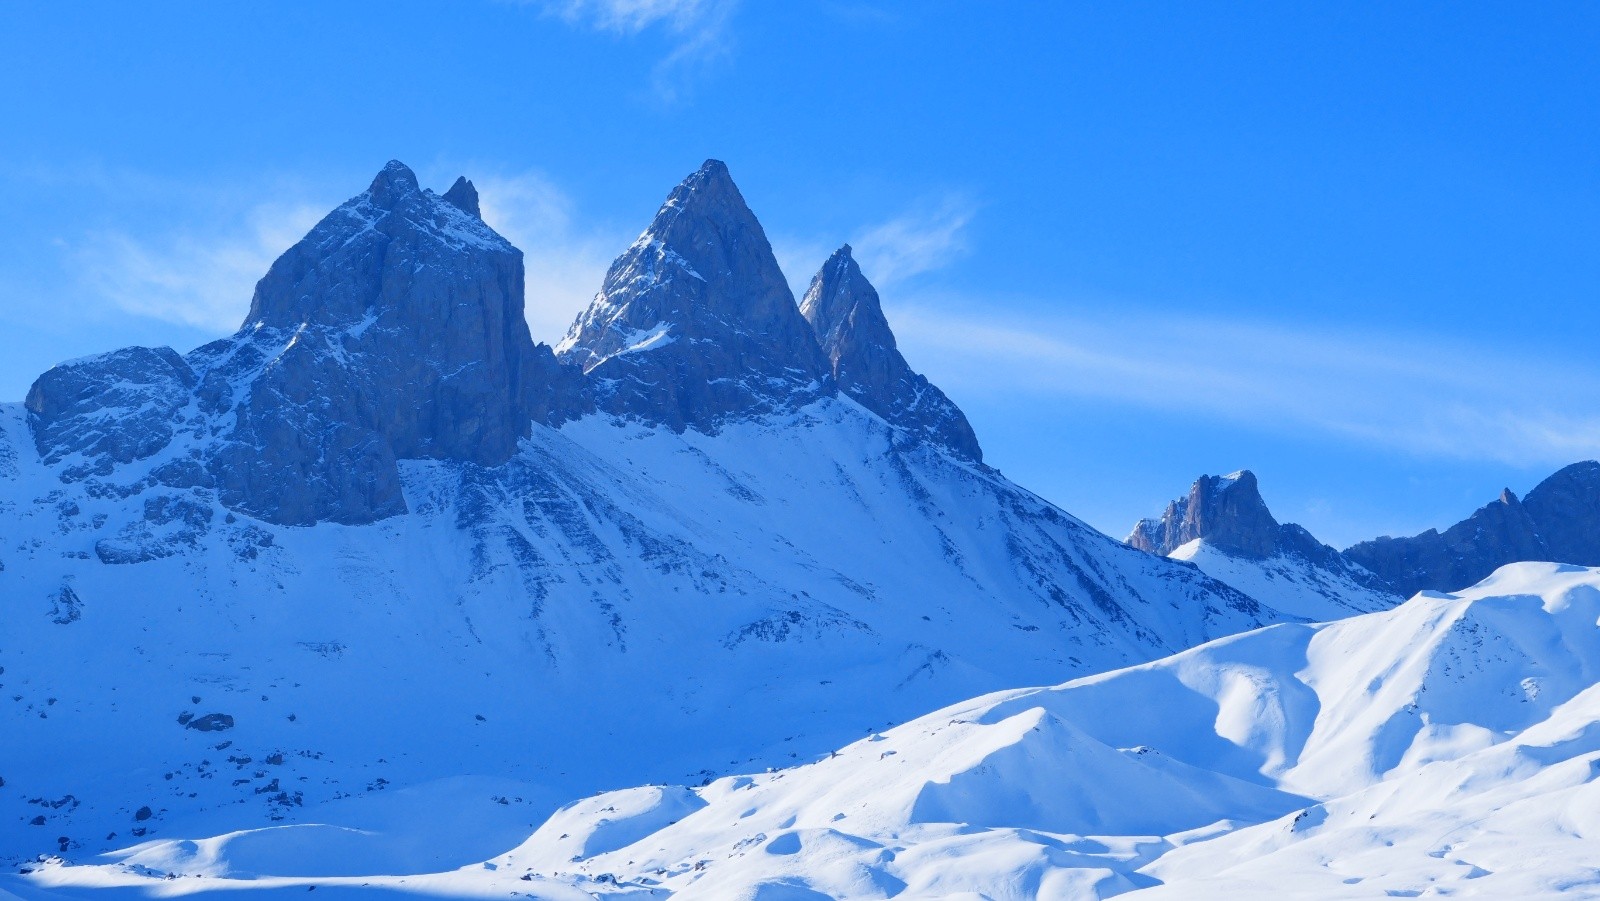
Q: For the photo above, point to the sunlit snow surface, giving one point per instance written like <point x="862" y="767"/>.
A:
<point x="615" y="606"/>
<point x="1447" y="747"/>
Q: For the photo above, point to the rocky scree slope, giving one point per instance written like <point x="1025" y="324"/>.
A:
<point x="378" y="540"/>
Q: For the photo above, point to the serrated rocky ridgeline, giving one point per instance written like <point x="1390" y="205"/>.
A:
<point x="1558" y="522"/>
<point x="395" y="331"/>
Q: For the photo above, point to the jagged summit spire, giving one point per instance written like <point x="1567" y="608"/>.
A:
<point x="402" y="313"/>
<point x="840" y="297"/>
<point x="712" y="175"/>
<point x="847" y="318"/>
<point x="695" y="322"/>
<point x="464" y="196"/>
<point x="1227" y="511"/>
<point x="394" y="181"/>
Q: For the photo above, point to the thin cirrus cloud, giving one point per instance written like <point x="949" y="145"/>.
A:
<point x="564" y="261"/>
<point x="906" y="246"/>
<point x="890" y="252"/>
<point x="202" y="280"/>
<point x="698" y="30"/>
<point x="1416" y="397"/>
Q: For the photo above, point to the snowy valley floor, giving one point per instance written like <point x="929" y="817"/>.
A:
<point x="1447" y="747"/>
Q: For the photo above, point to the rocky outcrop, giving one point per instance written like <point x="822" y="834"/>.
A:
<point x="1558" y="522"/>
<point x="844" y="312"/>
<point x="394" y="330"/>
<point x="695" y="324"/>
<point x="114" y="408"/>
<point x="1565" y="509"/>
<point x="1281" y="560"/>
<point x="1227" y="511"/>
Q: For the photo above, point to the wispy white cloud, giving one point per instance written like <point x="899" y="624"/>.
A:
<point x="1414" y="396"/>
<point x="565" y="263"/>
<point x="698" y="30"/>
<point x="190" y="278"/>
<point x="917" y="242"/>
<point x="204" y="278"/>
<point x="891" y="252"/>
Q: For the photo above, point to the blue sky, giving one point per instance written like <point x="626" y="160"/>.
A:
<point x="1354" y="247"/>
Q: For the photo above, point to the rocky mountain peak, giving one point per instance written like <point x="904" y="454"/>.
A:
<point x="372" y="238"/>
<point x="464" y="196"/>
<point x="1566" y="509"/>
<point x="847" y="318"/>
<point x="393" y="330"/>
<point x="842" y="305"/>
<point x="1227" y="511"/>
<point x="695" y="323"/>
<point x="394" y="182"/>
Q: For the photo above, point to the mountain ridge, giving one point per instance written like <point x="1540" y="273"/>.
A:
<point x="378" y="554"/>
<point x="1558" y="521"/>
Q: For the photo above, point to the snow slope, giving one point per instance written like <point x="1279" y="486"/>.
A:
<point x="1449" y="746"/>
<point x="1318" y="590"/>
<point x="616" y="605"/>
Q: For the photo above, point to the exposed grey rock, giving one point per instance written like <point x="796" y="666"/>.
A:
<point x="1558" y="522"/>
<point x="171" y="525"/>
<point x="1230" y="515"/>
<point x="1227" y="511"/>
<point x="65" y="606"/>
<point x="211" y="722"/>
<point x="465" y="197"/>
<point x="695" y="324"/>
<point x="109" y="409"/>
<point x="394" y="330"/>
<point x="847" y="318"/>
<point x="1565" y="508"/>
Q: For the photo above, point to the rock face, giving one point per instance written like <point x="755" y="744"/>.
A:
<point x="394" y="330"/>
<point x="113" y="408"/>
<point x="1565" y="508"/>
<point x="1243" y="545"/>
<point x="1558" y="522"/>
<point x="1227" y="511"/>
<point x="844" y="312"/>
<point x="695" y="323"/>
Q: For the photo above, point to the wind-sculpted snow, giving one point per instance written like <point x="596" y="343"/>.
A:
<point x="616" y="604"/>
<point x="1449" y="746"/>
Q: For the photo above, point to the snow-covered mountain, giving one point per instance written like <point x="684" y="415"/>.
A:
<point x="1448" y="746"/>
<point x="1224" y="527"/>
<point x="380" y="544"/>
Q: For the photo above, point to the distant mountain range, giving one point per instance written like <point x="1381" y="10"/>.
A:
<point x="1225" y="519"/>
